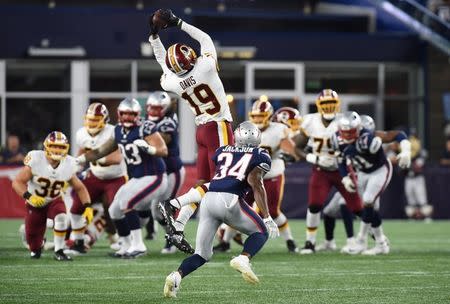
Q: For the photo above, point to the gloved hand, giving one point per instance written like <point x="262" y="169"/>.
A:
<point x="322" y="161"/>
<point x="287" y="158"/>
<point x="272" y="227"/>
<point x="145" y="146"/>
<point x="169" y="17"/>
<point x="80" y="162"/>
<point x="88" y="214"/>
<point x="36" y="201"/>
<point x="349" y="184"/>
<point x="153" y="28"/>
<point x="404" y="157"/>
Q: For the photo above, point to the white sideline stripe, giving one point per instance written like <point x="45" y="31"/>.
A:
<point x="109" y="293"/>
<point x="160" y="277"/>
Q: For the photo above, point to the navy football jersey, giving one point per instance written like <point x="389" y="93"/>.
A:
<point x="233" y="164"/>
<point x="169" y="125"/>
<point x="139" y="163"/>
<point x="366" y="153"/>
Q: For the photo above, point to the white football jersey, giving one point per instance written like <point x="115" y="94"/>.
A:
<point x="87" y="142"/>
<point x="271" y="138"/>
<point x="47" y="181"/>
<point x="319" y="135"/>
<point x="202" y="89"/>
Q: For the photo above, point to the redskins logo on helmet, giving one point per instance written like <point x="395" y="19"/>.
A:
<point x="129" y="112"/>
<point x="180" y="58"/>
<point x="97" y="116"/>
<point x="261" y="113"/>
<point x="157" y="105"/>
<point x="288" y="116"/>
<point x="56" y="145"/>
<point x="328" y="103"/>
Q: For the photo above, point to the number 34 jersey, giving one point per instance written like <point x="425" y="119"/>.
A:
<point x="233" y="165"/>
<point x="48" y="182"/>
<point x="202" y="89"/>
<point x="139" y="163"/>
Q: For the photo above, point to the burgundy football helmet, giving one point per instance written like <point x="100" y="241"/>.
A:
<point x="180" y="58"/>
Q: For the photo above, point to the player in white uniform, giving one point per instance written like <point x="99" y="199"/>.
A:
<point x="316" y="131"/>
<point x="275" y="139"/>
<point x="104" y="176"/>
<point x="196" y="80"/>
<point x="40" y="182"/>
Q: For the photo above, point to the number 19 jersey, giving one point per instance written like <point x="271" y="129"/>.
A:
<point x="233" y="165"/>
<point x="202" y="89"/>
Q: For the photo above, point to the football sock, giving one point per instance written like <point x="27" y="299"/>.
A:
<point x="312" y="222"/>
<point x="378" y="234"/>
<point x="376" y="219"/>
<point x="254" y="243"/>
<point x="329" y="223"/>
<point x="144" y="217"/>
<point x="123" y="229"/>
<point x="59" y="231"/>
<point x="194" y="195"/>
<point x="363" y="230"/>
<point x="228" y="234"/>
<point x="283" y="226"/>
<point x="347" y="218"/>
<point x="78" y="227"/>
<point x="185" y="214"/>
<point x="190" y="264"/>
<point x="132" y="218"/>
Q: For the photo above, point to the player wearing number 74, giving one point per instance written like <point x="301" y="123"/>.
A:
<point x="41" y="182"/>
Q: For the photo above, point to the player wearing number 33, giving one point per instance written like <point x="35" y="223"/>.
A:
<point x="40" y="183"/>
<point x="196" y="80"/>
<point x="239" y="168"/>
<point x="142" y="147"/>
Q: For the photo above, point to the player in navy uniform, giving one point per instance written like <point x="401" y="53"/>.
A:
<point x="142" y="148"/>
<point x="362" y="150"/>
<point x="239" y="168"/>
<point x="159" y="111"/>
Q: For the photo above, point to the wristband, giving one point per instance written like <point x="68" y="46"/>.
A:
<point x="26" y="195"/>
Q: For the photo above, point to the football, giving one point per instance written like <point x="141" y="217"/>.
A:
<point x="158" y="20"/>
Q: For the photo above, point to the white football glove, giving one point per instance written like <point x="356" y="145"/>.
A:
<point x="349" y="184"/>
<point x="404" y="157"/>
<point x="322" y="160"/>
<point x="145" y="146"/>
<point x="80" y="162"/>
<point x="272" y="227"/>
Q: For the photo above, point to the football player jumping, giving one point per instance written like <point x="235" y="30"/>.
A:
<point x="316" y="132"/>
<point x="275" y="139"/>
<point x="142" y="147"/>
<point x="40" y="183"/>
<point x="159" y="111"/>
<point x="362" y="149"/>
<point x="195" y="80"/>
<point x="104" y="177"/>
<point x="239" y="169"/>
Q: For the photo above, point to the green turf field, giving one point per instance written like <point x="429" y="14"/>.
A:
<point x="416" y="271"/>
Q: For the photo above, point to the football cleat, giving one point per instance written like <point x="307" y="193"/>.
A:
<point x="292" y="247"/>
<point x="168" y="212"/>
<point x="380" y="248"/>
<point x="309" y="248"/>
<point x="222" y="247"/>
<point x="354" y="246"/>
<point x="178" y="240"/>
<point x="134" y="252"/>
<point x="327" y="246"/>
<point x="61" y="256"/>
<point x="168" y="248"/>
<point x="172" y="284"/>
<point x="242" y="264"/>
<point x="77" y="248"/>
<point x="35" y="254"/>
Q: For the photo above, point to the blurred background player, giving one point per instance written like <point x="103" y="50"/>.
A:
<point x="142" y="147"/>
<point x="160" y="111"/>
<point x="275" y="138"/>
<point x="239" y="168"/>
<point x="195" y="80"/>
<point x="362" y="151"/>
<point x="104" y="176"/>
<point x="40" y="183"/>
<point x="316" y="132"/>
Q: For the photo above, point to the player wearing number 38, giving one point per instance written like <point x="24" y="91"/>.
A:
<point x="196" y="80"/>
<point x="40" y="182"/>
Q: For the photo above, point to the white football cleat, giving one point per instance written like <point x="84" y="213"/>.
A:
<point x="380" y="248"/>
<point x="135" y="251"/>
<point x="327" y="246"/>
<point x="354" y="246"/>
<point x="172" y="284"/>
<point x="242" y="264"/>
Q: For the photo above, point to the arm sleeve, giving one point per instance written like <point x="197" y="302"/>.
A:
<point x="264" y="161"/>
<point x="160" y="52"/>
<point x="206" y="43"/>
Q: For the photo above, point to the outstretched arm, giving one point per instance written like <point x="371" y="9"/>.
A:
<point x="206" y="43"/>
